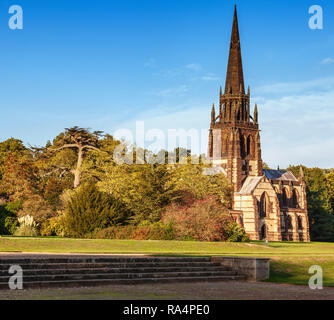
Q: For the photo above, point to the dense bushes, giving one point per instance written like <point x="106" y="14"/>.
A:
<point x="8" y="219"/>
<point x="155" y="231"/>
<point x="88" y="209"/>
<point x="203" y="220"/>
<point x="53" y="227"/>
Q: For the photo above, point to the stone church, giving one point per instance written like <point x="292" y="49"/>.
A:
<point x="269" y="204"/>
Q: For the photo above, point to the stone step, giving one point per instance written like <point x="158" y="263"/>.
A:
<point x="91" y="270"/>
<point x="80" y="265"/>
<point x="103" y="260"/>
<point x="102" y="282"/>
<point x="58" y="277"/>
<point x="27" y="272"/>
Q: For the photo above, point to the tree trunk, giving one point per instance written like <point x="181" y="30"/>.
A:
<point x="77" y="171"/>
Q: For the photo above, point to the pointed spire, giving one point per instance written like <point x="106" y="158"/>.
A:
<point x="235" y="78"/>
<point x="256" y="115"/>
<point x="213" y="114"/>
<point x="221" y="95"/>
<point x="301" y="173"/>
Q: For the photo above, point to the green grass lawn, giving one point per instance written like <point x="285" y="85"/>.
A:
<point x="289" y="261"/>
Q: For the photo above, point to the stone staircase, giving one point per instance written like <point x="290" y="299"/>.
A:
<point x="97" y="270"/>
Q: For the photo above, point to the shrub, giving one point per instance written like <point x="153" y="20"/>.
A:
<point x="38" y="208"/>
<point x="27" y="227"/>
<point x="235" y="233"/>
<point x="154" y="231"/>
<point x="87" y="210"/>
<point x="53" y="227"/>
<point x="146" y="231"/>
<point x="8" y="219"/>
<point x="10" y="225"/>
<point x="114" y="232"/>
<point x="203" y="220"/>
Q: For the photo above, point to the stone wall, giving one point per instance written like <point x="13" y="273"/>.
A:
<point x="255" y="269"/>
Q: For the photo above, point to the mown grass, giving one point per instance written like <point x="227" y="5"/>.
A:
<point x="66" y="245"/>
<point x="290" y="262"/>
<point x="295" y="270"/>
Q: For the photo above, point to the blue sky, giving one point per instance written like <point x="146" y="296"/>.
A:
<point x="105" y="64"/>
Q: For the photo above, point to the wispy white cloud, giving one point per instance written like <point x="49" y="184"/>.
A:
<point x="294" y="88"/>
<point x="327" y="61"/>
<point x="210" y="77"/>
<point x="194" y="67"/>
<point x="150" y="63"/>
<point x="177" y="91"/>
<point x="298" y="125"/>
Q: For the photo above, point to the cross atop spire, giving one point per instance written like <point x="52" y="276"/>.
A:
<point x="235" y="77"/>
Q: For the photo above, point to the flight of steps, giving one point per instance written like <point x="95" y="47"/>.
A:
<point x="93" y="271"/>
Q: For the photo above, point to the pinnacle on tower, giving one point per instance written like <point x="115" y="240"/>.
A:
<point x="213" y="114"/>
<point x="235" y="77"/>
<point x="256" y="115"/>
<point x="301" y="173"/>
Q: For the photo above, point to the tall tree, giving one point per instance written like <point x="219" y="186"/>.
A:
<point x="79" y="140"/>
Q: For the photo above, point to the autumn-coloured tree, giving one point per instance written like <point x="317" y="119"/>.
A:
<point x="20" y="178"/>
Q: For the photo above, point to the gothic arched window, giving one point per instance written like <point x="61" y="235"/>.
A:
<point x="252" y="146"/>
<point x="288" y="222"/>
<point x="242" y="146"/>
<point x="295" y="198"/>
<point x="226" y="144"/>
<point x="264" y="207"/>
<point x="248" y="144"/>
<point x="300" y="223"/>
<point x="284" y="197"/>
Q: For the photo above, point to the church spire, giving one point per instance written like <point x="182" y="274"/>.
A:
<point x="235" y="77"/>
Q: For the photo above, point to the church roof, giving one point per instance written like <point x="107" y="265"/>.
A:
<point x="249" y="185"/>
<point x="214" y="171"/>
<point x="279" y="175"/>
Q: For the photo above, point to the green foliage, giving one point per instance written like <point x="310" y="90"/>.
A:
<point x="89" y="209"/>
<point x="10" y="225"/>
<point x="141" y="188"/>
<point x="53" y="227"/>
<point x="8" y="219"/>
<point x="235" y="233"/>
<point x="189" y="178"/>
<point x="320" y="198"/>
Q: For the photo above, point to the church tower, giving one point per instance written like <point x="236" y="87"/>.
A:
<point x="234" y="138"/>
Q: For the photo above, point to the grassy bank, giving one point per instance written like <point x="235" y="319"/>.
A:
<point x="289" y="261"/>
<point x="65" y="245"/>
